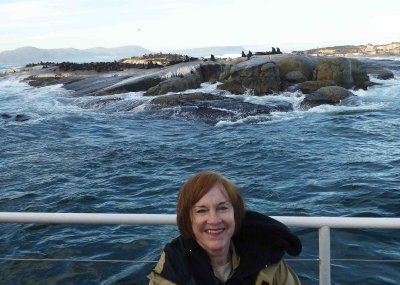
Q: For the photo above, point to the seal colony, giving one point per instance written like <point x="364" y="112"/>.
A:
<point x="322" y="80"/>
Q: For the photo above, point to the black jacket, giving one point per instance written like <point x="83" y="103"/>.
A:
<point x="261" y="241"/>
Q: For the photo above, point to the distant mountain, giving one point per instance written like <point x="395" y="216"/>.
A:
<point x="118" y="52"/>
<point x="25" y="55"/>
<point x="216" y="51"/>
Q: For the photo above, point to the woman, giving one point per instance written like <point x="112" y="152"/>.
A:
<point x="221" y="242"/>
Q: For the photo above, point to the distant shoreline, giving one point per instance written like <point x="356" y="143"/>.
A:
<point x="392" y="49"/>
<point x="26" y="55"/>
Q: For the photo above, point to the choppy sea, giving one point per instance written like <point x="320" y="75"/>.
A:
<point x="88" y="154"/>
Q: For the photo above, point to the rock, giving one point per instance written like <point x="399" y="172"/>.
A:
<point x="380" y="72"/>
<point x="385" y="74"/>
<point x="5" y="116"/>
<point x="175" y="84"/>
<point x="92" y="85"/>
<point x="21" y="118"/>
<point x="211" y="70"/>
<point x="213" y="108"/>
<point x="308" y="87"/>
<point x="182" y="99"/>
<point x="344" y="72"/>
<point x="132" y="80"/>
<point x="99" y="103"/>
<point x="359" y="74"/>
<point x="233" y="87"/>
<point x="375" y="68"/>
<point x="302" y="63"/>
<point x="258" y="74"/>
<point x="17" y="118"/>
<point x="295" y="77"/>
<point x="331" y="95"/>
<point x="134" y="84"/>
<point x="336" y="69"/>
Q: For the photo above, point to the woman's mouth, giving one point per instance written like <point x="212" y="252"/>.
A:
<point x="214" y="231"/>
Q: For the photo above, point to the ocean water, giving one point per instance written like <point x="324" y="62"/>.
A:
<point x="112" y="155"/>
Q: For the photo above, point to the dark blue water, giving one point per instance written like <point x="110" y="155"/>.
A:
<point x="88" y="155"/>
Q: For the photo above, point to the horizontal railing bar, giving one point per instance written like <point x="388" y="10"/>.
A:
<point x="107" y="260"/>
<point x="366" y="260"/>
<point x="170" y="219"/>
<point x="155" y="261"/>
<point x="340" y="222"/>
<point x="78" y="260"/>
<point x="87" y="218"/>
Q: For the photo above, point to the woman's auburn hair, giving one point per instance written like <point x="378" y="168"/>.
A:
<point x="195" y="188"/>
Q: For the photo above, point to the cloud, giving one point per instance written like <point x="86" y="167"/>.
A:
<point x="31" y="10"/>
<point x="191" y="23"/>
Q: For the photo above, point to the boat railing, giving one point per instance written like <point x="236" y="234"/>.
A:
<point x="323" y="224"/>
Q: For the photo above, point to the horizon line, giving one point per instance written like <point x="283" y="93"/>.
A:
<point x="245" y="46"/>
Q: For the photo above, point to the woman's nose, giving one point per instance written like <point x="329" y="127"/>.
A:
<point x="213" y="217"/>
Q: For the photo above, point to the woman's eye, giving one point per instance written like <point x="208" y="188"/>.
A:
<point x="200" y="211"/>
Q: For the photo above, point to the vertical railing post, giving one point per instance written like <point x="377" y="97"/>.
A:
<point x="324" y="256"/>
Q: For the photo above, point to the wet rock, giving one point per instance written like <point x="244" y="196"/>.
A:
<point x="205" y="114"/>
<point x="359" y="74"/>
<point x="258" y="74"/>
<point x="92" y="85"/>
<point x="41" y="81"/>
<point x="331" y="95"/>
<point x="308" y="87"/>
<point x="336" y="69"/>
<point x="17" y="118"/>
<point x="295" y="77"/>
<point x="100" y="103"/>
<point x="176" y="84"/>
<point x="21" y="118"/>
<point x="134" y="84"/>
<point x="375" y="68"/>
<point x="290" y="63"/>
<point x="380" y="72"/>
<point x="344" y="72"/>
<point x="212" y="108"/>
<point x="5" y="116"/>
<point x="233" y="87"/>
<point x="212" y="70"/>
<point x="184" y="99"/>
<point x="385" y="74"/>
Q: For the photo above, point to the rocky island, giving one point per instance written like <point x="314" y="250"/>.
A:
<point x="322" y="80"/>
<point x="392" y="49"/>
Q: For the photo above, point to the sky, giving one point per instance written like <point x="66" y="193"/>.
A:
<point x="160" y="25"/>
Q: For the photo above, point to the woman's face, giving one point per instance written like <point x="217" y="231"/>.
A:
<point x="213" y="221"/>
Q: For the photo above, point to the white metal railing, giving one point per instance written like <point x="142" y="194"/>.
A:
<point x="324" y="224"/>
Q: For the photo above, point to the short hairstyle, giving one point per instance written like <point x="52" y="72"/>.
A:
<point x="195" y="188"/>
